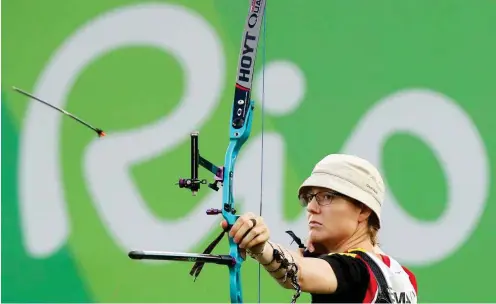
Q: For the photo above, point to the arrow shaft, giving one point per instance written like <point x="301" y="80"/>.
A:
<point x="100" y="132"/>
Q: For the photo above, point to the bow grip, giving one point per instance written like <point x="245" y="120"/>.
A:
<point x="230" y="219"/>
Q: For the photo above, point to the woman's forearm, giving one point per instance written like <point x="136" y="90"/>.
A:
<point x="274" y="267"/>
<point x="313" y="275"/>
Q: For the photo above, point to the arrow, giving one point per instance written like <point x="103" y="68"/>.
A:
<point x="98" y="131"/>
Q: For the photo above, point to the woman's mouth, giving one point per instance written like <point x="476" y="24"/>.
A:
<point x="314" y="224"/>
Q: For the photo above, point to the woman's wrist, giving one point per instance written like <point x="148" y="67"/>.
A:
<point x="264" y="256"/>
<point x="267" y="255"/>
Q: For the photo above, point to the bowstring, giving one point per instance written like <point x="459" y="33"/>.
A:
<point x="263" y="126"/>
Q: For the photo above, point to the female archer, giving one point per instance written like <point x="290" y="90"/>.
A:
<point x="343" y="198"/>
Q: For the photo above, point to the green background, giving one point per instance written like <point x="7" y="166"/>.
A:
<point x="352" y="54"/>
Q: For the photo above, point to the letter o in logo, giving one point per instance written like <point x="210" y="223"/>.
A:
<point x="252" y="20"/>
<point x="465" y="164"/>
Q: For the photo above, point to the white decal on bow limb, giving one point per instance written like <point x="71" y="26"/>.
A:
<point x="445" y="127"/>
<point x="45" y="221"/>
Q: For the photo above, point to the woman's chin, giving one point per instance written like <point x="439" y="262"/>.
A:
<point x="317" y="236"/>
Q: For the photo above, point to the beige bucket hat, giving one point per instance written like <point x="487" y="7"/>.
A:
<point x="352" y="176"/>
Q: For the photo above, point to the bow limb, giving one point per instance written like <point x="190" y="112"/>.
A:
<point x="240" y="129"/>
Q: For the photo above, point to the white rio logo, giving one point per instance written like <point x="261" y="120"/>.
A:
<point x="181" y="32"/>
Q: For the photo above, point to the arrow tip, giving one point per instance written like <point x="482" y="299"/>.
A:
<point x="100" y="133"/>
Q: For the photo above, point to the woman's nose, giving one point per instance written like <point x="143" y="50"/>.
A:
<point x="313" y="206"/>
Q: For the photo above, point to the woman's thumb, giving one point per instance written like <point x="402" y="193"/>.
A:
<point x="223" y="224"/>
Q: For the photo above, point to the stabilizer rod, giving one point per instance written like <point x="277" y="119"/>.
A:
<point x="182" y="256"/>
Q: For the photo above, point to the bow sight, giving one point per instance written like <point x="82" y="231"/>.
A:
<point x="193" y="183"/>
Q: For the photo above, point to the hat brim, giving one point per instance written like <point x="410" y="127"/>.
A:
<point x="342" y="186"/>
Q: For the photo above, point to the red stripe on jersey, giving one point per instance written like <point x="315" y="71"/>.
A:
<point x="371" y="292"/>
<point x="412" y="277"/>
<point x="386" y="260"/>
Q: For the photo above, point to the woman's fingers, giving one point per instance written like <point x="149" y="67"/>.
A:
<point x="251" y="235"/>
<point x="240" y="222"/>
<point x="248" y="231"/>
<point x="244" y="230"/>
<point x="258" y="239"/>
<point x="242" y="226"/>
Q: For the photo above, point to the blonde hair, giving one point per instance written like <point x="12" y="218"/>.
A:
<point x="373" y="228"/>
<point x="373" y="224"/>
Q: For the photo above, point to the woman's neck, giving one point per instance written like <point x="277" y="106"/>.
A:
<point x="355" y="241"/>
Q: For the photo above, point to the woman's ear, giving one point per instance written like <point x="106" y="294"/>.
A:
<point x="365" y="212"/>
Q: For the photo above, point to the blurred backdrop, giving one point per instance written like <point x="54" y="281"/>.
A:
<point x="408" y="85"/>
